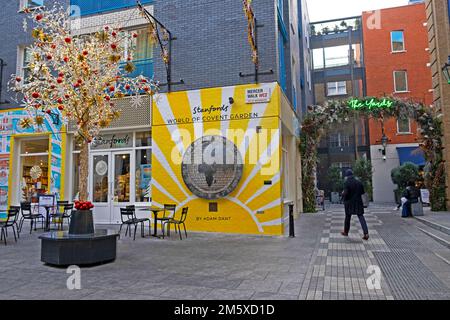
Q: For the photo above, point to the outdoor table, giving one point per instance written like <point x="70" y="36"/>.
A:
<point x="47" y="216"/>
<point x="155" y="211"/>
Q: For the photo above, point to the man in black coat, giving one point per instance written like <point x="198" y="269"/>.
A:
<point x="353" y="190"/>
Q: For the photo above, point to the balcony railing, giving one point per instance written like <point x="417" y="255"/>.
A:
<point x="98" y="6"/>
<point x="143" y="67"/>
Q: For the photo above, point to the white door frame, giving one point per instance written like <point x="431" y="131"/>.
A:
<point x="109" y="212"/>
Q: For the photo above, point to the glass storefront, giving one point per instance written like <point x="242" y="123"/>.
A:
<point x="34" y="168"/>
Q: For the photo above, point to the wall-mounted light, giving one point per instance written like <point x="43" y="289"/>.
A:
<point x="231" y="100"/>
<point x="446" y="70"/>
<point x="384" y="143"/>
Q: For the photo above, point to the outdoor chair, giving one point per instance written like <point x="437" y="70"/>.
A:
<point x="177" y="223"/>
<point x="128" y="218"/>
<point x="11" y="222"/>
<point x="168" y="213"/>
<point x="28" y="215"/>
<point x="66" y="213"/>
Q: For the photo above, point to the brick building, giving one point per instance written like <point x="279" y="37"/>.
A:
<point x="397" y="64"/>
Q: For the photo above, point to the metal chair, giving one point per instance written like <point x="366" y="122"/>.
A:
<point x="128" y="217"/>
<point x="11" y="222"/>
<point x="61" y="215"/>
<point x="177" y="223"/>
<point x="28" y="215"/>
<point x="168" y="213"/>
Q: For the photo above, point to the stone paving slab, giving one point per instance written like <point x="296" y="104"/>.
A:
<point x="319" y="264"/>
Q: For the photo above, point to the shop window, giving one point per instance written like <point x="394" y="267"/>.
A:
<point x="100" y="179"/>
<point x="34" y="169"/>
<point x="404" y="125"/>
<point x="143" y="175"/>
<point x="144" y="139"/>
<point x="400" y="81"/>
<point x="397" y="41"/>
<point x="122" y="172"/>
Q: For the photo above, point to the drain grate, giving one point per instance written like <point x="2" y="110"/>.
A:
<point x="408" y="278"/>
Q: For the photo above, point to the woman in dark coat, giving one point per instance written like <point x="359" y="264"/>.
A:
<point x="352" y="196"/>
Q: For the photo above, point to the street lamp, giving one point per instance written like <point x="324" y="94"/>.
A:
<point x="446" y="70"/>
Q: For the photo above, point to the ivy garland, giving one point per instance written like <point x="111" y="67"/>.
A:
<point x="320" y="118"/>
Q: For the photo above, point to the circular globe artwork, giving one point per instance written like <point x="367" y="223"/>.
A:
<point x="212" y="167"/>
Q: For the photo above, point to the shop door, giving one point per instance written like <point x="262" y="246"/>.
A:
<point x="110" y="185"/>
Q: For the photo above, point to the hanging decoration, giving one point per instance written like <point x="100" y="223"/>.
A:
<point x="251" y="30"/>
<point x="319" y="119"/>
<point x="77" y="77"/>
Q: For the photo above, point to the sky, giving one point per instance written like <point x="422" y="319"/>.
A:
<point x="330" y="9"/>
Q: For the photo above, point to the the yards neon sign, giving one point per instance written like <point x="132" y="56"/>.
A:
<point x="370" y="104"/>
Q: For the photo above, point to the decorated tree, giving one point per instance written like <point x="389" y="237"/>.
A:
<point x="77" y="77"/>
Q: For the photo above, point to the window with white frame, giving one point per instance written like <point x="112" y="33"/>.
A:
<point x="31" y="3"/>
<point x="339" y="140"/>
<point x="24" y="58"/>
<point x="336" y="88"/>
<point x="403" y="125"/>
<point x="400" y="81"/>
<point x="397" y="41"/>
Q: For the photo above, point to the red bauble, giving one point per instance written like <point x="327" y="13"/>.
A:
<point x="53" y="46"/>
<point x="111" y="89"/>
<point x="85" y="52"/>
<point x="60" y="107"/>
<point x="128" y="87"/>
<point x="59" y="80"/>
<point x="60" y="74"/>
<point x="18" y="79"/>
<point x="146" y="89"/>
<point x="135" y="35"/>
<point x="66" y="96"/>
<point x="39" y="17"/>
<point x="80" y="81"/>
<point x="66" y="59"/>
<point x="68" y="40"/>
<point x="114" y="34"/>
<point x="49" y="57"/>
<point x="107" y="98"/>
<point x="113" y="46"/>
<point x="60" y="100"/>
<point x="35" y="95"/>
<point x="48" y="111"/>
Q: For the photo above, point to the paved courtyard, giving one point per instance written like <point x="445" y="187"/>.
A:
<point x="317" y="264"/>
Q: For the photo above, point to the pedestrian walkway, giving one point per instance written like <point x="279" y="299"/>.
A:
<point x="317" y="264"/>
<point x="347" y="268"/>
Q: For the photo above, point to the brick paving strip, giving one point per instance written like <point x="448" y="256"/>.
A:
<point x="339" y="268"/>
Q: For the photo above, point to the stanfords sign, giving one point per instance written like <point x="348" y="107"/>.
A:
<point x="370" y="104"/>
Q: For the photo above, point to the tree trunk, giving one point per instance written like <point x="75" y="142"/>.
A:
<point x="84" y="171"/>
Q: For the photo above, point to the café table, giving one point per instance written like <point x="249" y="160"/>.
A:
<point x="155" y="211"/>
<point x="47" y="216"/>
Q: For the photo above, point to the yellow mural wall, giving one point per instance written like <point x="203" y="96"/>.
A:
<point x="180" y="118"/>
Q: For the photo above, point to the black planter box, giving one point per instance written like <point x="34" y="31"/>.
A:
<point x="81" y="222"/>
<point x="81" y="246"/>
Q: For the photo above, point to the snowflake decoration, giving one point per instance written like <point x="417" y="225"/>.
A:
<point x="137" y="101"/>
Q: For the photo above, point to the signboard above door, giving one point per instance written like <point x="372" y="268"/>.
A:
<point x="112" y="141"/>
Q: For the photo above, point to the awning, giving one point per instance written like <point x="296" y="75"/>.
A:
<point x="411" y="154"/>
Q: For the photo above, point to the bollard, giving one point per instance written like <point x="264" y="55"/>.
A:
<point x="291" y="221"/>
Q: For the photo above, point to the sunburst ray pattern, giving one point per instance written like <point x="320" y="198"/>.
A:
<point x="180" y="118"/>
